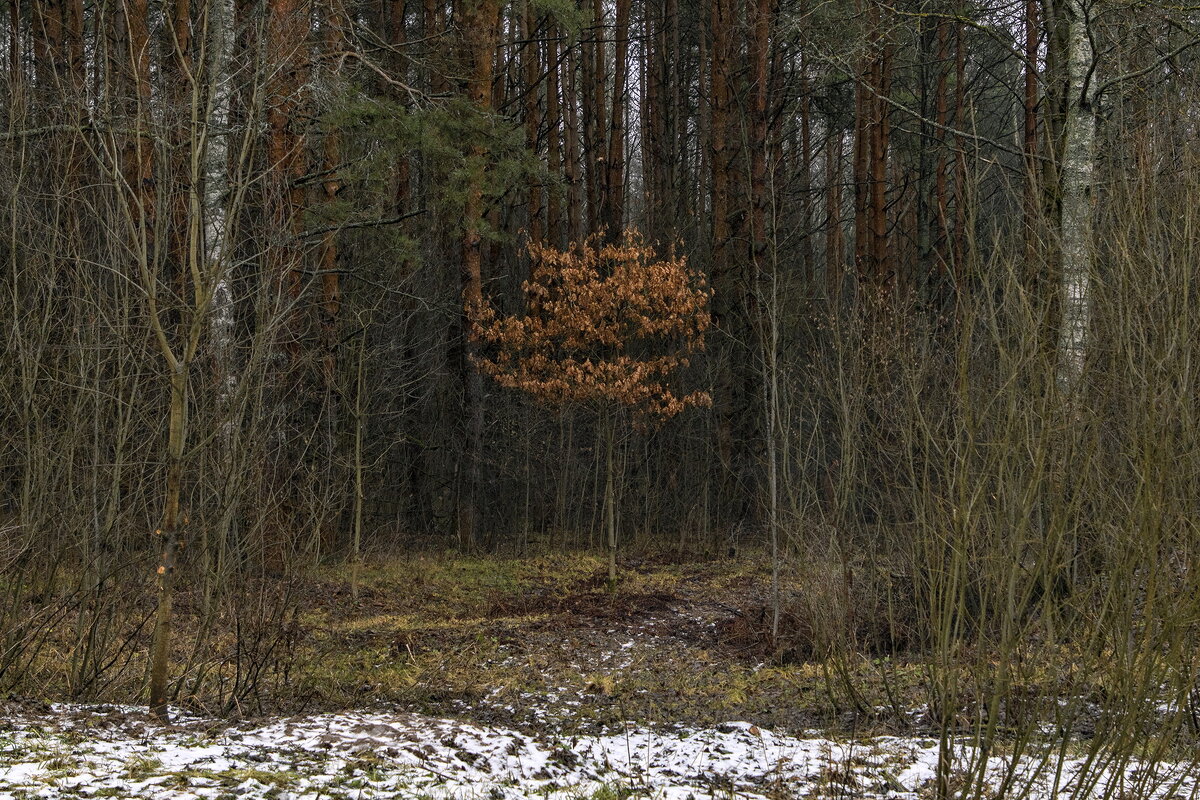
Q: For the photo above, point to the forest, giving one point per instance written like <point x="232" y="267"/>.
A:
<point x="497" y="383"/>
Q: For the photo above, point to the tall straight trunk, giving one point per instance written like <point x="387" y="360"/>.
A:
<point x="219" y="26"/>
<point x="1029" y="142"/>
<point x="770" y="398"/>
<point x="359" y="495"/>
<point x="575" y="188"/>
<point x="701" y="196"/>
<point x="553" y="145"/>
<point x="725" y="283"/>
<point x="219" y="29"/>
<point x="15" y="70"/>
<point x="862" y="167"/>
<point x="1078" y="168"/>
<point x="530" y="58"/>
<point x="595" y="126"/>
<point x="719" y="102"/>
<point x="759" y="44"/>
<point x="286" y="32"/>
<point x="650" y="117"/>
<point x="613" y="201"/>
<point x="660" y="151"/>
<point x="481" y="20"/>
<point x="139" y="158"/>
<point x="674" y="198"/>
<point x="941" y="201"/>
<point x="881" y="270"/>
<point x="609" y="425"/>
<point x="184" y="111"/>
<point x="959" y="249"/>
<point x="397" y="34"/>
<point x="804" y="165"/>
<point x="331" y="290"/>
<point x="433" y="24"/>
<point x="835" y="246"/>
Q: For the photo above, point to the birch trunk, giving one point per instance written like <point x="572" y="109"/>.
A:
<point x="1077" y="179"/>
<point x="216" y="190"/>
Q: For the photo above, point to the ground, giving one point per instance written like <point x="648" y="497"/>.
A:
<point x="431" y="677"/>
<point x="526" y="643"/>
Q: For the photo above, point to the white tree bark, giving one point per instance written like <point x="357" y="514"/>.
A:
<point x="1078" y="170"/>
<point x="216" y="190"/>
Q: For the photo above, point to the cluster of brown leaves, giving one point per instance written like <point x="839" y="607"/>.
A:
<point x="605" y="325"/>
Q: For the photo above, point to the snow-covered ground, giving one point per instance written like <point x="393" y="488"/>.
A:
<point x="106" y="751"/>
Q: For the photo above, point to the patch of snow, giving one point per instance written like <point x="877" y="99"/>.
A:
<point x="82" y="750"/>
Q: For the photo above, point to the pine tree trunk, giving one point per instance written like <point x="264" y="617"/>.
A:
<point x="554" y="230"/>
<point x="530" y="58"/>
<point x="575" y="188"/>
<point x="331" y="290"/>
<point x="835" y="245"/>
<point x="613" y="201"/>
<point x="480" y="25"/>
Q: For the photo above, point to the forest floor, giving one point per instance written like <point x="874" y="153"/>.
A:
<point x="487" y="678"/>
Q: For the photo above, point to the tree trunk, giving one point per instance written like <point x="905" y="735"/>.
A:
<point x="530" y="59"/>
<point x="760" y="42"/>
<point x="610" y="501"/>
<point x="331" y="290"/>
<point x="480" y="26"/>
<point x="169" y="533"/>
<point x="613" y="201"/>
<point x="553" y="147"/>
<point x="1032" y="202"/>
<point x="835" y="246"/>
<point x="941" y="205"/>
<point x="219" y="26"/>
<point x="1077" y="180"/>
<point x="882" y="275"/>
<point x="286" y="33"/>
<point x="724" y="275"/>
<point x="575" y="189"/>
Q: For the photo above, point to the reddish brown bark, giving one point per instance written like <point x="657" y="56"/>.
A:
<point x="480" y="26"/>
<point x="287" y="27"/>
<point x="861" y="167"/>
<point x="941" y="202"/>
<point x="530" y="67"/>
<point x="139" y="156"/>
<point x="759" y="53"/>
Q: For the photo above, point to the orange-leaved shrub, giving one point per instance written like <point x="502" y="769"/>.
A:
<point x="605" y="326"/>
